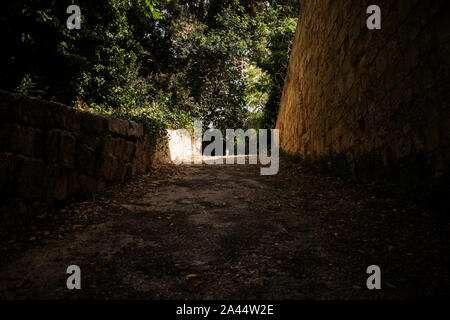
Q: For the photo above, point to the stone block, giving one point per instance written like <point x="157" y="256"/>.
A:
<point x="135" y="130"/>
<point x="66" y="118"/>
<point x="22" y="139"/>
<point x="32" y="179"/>
<point x="85" y="159"/>
<point x="57" y="183"/>
<point x="6" y="171"/>
<point x="61" y="148"/>
<point x="118" y="126"/>
<point x="93" y="124"/>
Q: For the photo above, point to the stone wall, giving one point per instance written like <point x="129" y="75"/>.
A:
<point x="52" y="153"/>
<point x="374" y="101"/>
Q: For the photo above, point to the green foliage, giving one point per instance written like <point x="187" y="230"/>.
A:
<point x="148" y="8"/>
<point x="159" y="62"/>
<point x="157" y="118"/>
<point x="27" y="87"/>
<point x="280" y="40"/>
<point x="224" y="61"/>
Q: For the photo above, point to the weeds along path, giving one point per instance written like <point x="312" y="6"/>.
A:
<point x="226" y="232"/>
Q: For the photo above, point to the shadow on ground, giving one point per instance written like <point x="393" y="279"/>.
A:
<point x="226" y="232"/>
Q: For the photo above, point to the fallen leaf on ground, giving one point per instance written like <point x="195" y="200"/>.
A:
<point x="390" y="285"/>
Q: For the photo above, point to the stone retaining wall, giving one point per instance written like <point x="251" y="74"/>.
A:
<point x="52" y="153"/>
<point x="374" y="101"/>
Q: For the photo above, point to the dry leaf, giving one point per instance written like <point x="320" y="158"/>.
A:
<point x="390" y="285"/>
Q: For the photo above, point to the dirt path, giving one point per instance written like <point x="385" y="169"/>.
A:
<point x="225" y="232"/>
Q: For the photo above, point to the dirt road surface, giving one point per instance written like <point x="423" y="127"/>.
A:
<point x="226" y="232"/>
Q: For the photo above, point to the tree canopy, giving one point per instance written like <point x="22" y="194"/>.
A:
<point x="167" y="62"/>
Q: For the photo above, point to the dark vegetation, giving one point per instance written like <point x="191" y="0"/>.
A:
<point x="160" y="62"/>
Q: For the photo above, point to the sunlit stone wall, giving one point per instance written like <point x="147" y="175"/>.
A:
<point x="373" y="101"/>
